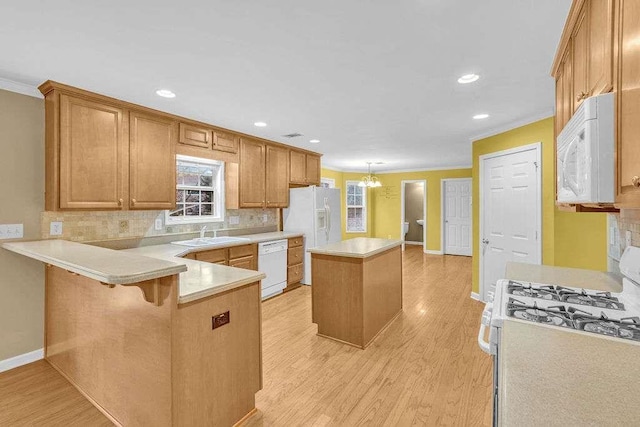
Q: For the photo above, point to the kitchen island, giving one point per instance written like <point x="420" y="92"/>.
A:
<point x="152" y="340"/>
<point x="356" y="288"/>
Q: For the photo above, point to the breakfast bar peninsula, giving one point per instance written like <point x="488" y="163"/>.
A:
<point x="356" y="288"/>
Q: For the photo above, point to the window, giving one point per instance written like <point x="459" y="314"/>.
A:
<point x="327" y="182"/>
<point x="199" y="191"/>
<point x="356" y="208"/>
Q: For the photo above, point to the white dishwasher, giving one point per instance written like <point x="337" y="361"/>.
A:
<point x="272" y="261"/>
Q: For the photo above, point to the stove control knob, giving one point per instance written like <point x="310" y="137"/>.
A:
<point x="490" y="296"/>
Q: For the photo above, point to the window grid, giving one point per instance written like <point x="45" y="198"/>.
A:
<point x="356" y="208"/>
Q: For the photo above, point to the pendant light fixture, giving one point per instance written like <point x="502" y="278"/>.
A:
<point x="369" y="180"/>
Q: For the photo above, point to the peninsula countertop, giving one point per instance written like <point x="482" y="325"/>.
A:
<point x="121" y="267"/>
<point x="563" y="276"/>
<point x="360" y="247"/>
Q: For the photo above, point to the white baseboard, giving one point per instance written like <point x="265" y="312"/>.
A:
<point x="432" y="252"/>
<point x="21" y="359"/>
<point x="475" y="296"/>
<point x="408" y="242"/>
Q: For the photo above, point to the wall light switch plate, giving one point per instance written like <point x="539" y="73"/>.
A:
<point x="265" y="218"/>
<point x="234" y="220"/>
<point x="55" y="228"/>
<point x="11" y="231"/>
<point x="158" y="224"/>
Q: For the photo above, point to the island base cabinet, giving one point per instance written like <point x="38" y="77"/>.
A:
<point x="355" y="299"/>
<point x="144" y="360"/>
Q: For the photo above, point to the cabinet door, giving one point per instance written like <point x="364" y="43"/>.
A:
<point x="628" y="112"/>
<point x="600" y="15"/>
<point x="277" y="177"/>
<point x="567" y="88"/>
<point x="93" y="155"/>
<point x="195" y="135"/>
<point x="226" y="142"/>
<point x="580" y="65"/>
<point x="558" y="124"/>
<point x="252" y="174"/>
<point x="297" y="167"/>
<point x="244" y="262"/>
<point x="313" y="170"/>
<point x="152" y="160"/>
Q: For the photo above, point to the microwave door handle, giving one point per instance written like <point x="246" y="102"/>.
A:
<point x="573" y="185"/>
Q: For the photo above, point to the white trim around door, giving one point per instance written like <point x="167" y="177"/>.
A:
<point x="424" y="209"/>
<point x="443" y="195"/>
<point x="537" y="146"/>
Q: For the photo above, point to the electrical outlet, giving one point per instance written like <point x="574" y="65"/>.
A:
<point x="234" y="220"/>
<point x="220" y="320"/>
<point x="265" y="218"/>
<point x="124" y="226"/>
<point x="158" y="224"/>
<point x="55" y="228"/>
<point x="11" y="231"/>
<point x="627" y="238"/>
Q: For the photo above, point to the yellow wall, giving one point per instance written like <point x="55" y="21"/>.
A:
<point x="387" y="209"/>
<point x="568" y="239"/>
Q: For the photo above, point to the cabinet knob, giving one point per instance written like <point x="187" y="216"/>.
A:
<point x="120" y="201"/>
<point x="636" y="181"/>
<point x="133" y="202"/>
<point x="582" y="96"/>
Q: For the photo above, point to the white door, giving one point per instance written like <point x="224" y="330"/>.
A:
<point x="457" y="217"/>
<point x="509" y="213"/>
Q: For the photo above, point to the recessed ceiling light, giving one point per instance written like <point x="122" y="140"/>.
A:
<point x="480" y="116"/>
<point x="260" y="124"/>
<point x="468" y="78"/>
<point x="165" y="93"/>
<point x="314" y="141"/>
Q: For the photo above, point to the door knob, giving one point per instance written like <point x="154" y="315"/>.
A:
<point x="485" y="241"/>
<point x="636" y="181"/>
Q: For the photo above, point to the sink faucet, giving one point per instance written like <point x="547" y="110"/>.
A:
<point x="215" y="233"/>
<point x="202" y="231"/>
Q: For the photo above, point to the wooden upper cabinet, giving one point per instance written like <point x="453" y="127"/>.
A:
<point x="304" y="169"/>
<point x="277" y="164"/>
<point x="313" y="169"/>
<point x="224" y="141"/>
<point x="297" y="167"/>
<point x="580" y="52"/>
<point x="628" y="106"/>
<point x="196" y="136"/>
<point x="92" y="155"/>
<point x="252" y="174"/>
<point x="600" y="45"/>
<point x="152" y="176"/>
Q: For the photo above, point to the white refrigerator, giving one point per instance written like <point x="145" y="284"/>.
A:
<point x="314" y="211"/>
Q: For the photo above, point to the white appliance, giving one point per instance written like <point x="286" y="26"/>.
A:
<point x="314" y="211"/>
<point x="585" y="153"/>
<point x="593" y="314"/>
<point x="272" y="261"/>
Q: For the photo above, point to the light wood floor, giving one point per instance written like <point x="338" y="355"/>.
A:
<point x="425" y="369"/>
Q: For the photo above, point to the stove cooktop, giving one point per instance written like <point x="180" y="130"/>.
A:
<point x="567" y="295"/>
<point x="588" y="320"/>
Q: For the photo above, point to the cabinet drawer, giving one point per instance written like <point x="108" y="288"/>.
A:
<point x="246" y="262"/>
<point x="295" y="255"/>
<point x="295" y="241"/>
<point x="241" y="251"/>
<point x="216" y="256"/>
<point x="294" y="274"/>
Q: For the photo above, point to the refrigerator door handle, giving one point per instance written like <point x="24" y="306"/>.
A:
<point x="327" y="210"/>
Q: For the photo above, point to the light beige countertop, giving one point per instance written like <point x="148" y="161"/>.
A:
<point x="360" y="247"/>
<point x="572" y="277"/>
<point x="556" y="377"/>
<point x="104" y="265"/>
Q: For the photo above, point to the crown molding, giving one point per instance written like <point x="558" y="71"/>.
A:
<point x="22" y="88"/>
<point x="444" y="168"/>
<point x="513" y="125"/>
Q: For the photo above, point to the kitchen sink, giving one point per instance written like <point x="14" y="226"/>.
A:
<point x="210" y="241"/>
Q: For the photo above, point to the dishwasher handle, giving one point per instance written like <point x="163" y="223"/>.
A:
<point x="271" y="247"/>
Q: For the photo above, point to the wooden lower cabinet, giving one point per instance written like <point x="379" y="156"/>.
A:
<point x="244" y="256"/>
<point x="295" y="262"/>
<point x="143" y="359"/>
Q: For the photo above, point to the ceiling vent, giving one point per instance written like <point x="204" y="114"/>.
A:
<point x="292" y="135"/>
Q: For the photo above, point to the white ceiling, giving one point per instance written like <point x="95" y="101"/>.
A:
<point x="374" y="80"/>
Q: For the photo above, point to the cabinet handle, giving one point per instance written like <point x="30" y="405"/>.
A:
<point x="636" y="181"/>
<point x="120" y="201"/>
<point x="582" y="96"/>
<point x="133" y="202"/>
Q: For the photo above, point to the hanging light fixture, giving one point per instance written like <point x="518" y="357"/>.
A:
<point x="369" y="180"/>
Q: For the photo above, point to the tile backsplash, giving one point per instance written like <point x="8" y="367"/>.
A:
<point x="92" y="226"/>
<point x="620" y="224"/>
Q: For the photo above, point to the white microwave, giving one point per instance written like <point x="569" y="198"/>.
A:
<point x="585" y="153"/>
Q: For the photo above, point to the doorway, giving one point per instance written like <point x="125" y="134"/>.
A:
<point x="456" y="230"/>
<point x="413" y="213"/>
<point x="510" y="211"/>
